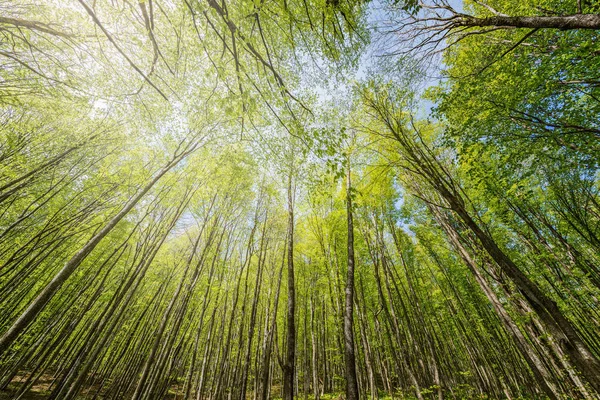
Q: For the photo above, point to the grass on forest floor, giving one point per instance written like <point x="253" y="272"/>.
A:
<point x="41" y="391"/>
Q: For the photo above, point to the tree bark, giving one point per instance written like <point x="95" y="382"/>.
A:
<point x="290" y="359"/>
<point x="350" y="357"/>
<point x="566" y="22"/>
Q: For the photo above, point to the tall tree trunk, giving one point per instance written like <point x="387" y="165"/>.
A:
<point x="315" y="351"/>
<point x="290" y="358"/>
<point x="349" y="356"/>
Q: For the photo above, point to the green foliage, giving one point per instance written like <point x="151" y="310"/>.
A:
<point x="215" y="114"/>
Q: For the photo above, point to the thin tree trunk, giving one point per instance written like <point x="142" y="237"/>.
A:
<point x="349" y="356"/>
<point x="290" y="358"/>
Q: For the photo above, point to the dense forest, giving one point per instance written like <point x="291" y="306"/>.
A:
<point x="279" y="199"/>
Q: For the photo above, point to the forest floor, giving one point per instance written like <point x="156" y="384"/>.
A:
<point x="41" y="390"/>
<point x="41" y="394"/>
<point x="37" y="391"/>
<point x="31" y="395"/>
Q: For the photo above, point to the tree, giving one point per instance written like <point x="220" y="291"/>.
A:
<point x="349" y="356"/>
<point x="420" y="161"/>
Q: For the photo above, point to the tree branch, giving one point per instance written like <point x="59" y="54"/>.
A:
<point x="567" y="22"/>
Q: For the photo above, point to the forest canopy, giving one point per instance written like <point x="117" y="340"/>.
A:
<point x="279" y="199"/>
